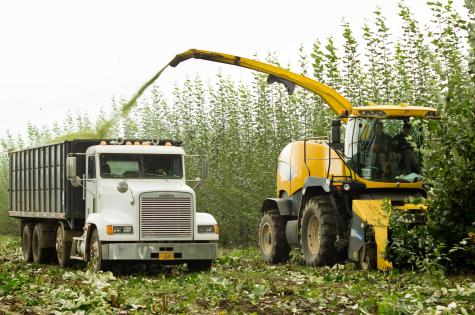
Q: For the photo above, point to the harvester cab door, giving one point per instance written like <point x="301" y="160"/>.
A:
<point x="90" y="191"/>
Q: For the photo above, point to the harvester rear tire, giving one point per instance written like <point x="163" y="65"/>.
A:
<point x="318" y="232"/>
<point x="273" y="244"/>
<point x="26" y="242"/>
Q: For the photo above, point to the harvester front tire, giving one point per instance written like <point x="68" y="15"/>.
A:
<point x="26" y="242"/>
<point x="273" y="244"/>
<point x="318" y="232"/>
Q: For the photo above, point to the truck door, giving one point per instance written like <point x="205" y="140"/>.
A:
<point x="90" y="193"/>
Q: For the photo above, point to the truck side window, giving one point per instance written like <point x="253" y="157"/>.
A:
<point x="91" y="167"/>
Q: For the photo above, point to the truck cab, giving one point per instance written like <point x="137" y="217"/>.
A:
<point x="138" y="201"/>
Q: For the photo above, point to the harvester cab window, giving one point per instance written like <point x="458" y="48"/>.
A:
<point x="383" y="149"/>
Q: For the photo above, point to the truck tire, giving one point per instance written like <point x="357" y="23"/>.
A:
<point x="199" y="265"/>
<point x="273" y="244"/>
<point x="26" y="242"/>
<point x="318" y="232"/>
<point x="95" y="253"/>
<point x="63" y="247"/>
<point x="39" y="253"/>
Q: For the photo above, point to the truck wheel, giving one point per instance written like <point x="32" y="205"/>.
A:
<point x="26" y="242"/>
<point x="63" y="248"/>
<point x="318" y="232"/>
<point x="199" y="265"/>
<point x="95" y="253"/>
<point x="367" y="257"/>
<point x="273" y="244"/>
<point x="39" y="253"/>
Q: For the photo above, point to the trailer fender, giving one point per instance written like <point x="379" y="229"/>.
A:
<point x="282" y="204"/>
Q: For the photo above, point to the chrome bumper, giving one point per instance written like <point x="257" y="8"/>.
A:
<point x="151" y="251"/>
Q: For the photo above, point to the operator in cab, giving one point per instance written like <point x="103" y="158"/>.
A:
<point x="408" y="163"/>
<point x="381" y="147"/>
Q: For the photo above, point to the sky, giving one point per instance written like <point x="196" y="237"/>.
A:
<point x="60" y="56"/>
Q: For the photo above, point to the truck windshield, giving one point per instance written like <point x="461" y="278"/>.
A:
<point x="384" y="149"/>
<point x="141" y="166"/>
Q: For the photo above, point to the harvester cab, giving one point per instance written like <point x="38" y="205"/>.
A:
<point x="333" y="198"/>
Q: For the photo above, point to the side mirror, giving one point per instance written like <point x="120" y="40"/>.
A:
<point x="71" y="167"/>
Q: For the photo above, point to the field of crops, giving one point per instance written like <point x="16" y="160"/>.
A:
<point x="238" y="283"/>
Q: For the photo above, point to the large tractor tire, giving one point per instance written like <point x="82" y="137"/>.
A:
<point x="318" y="232"/>
<point x="39" y="253"/>
<point x="27" y="242"/>
<point x="95" y="253"/>
<point x="273" y="244"/>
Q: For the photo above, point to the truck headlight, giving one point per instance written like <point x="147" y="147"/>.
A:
<point x="208" y="229"/>
<point x="119" y="229"/>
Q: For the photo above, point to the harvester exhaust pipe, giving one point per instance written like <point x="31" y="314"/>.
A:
<point x="336" y="127"/>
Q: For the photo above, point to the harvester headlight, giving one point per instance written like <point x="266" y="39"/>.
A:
<point x="346" y="187"/>
<point x="210" y="229"/>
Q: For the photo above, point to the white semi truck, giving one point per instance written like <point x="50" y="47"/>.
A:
<point x="102" y="201"/>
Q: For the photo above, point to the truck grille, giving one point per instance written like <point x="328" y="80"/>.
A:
<point x="167" y="217"/>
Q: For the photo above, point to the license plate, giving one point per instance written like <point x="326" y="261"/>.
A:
<point x="166" y="256"/>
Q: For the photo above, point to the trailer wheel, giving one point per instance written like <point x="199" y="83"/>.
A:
<point x="273" y="244"/>
<point x="26" y="242"/>
<point x="95" y="253"/>
<point x="39" y="253"/>
<point x="318" y="232"/>
<point x="199" y="265"/>
<point x="63" y="247"/>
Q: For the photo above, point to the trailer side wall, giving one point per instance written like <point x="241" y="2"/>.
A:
<point x="38" y="187"/>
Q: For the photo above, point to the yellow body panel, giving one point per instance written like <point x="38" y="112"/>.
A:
<point x="372" y="212"/>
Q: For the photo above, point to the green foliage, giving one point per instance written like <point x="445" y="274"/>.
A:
<point x="449" y="166"/>
<point x="451" y="170"/>
<point x="412" y="246"/>
<point x="239" y="282"/>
